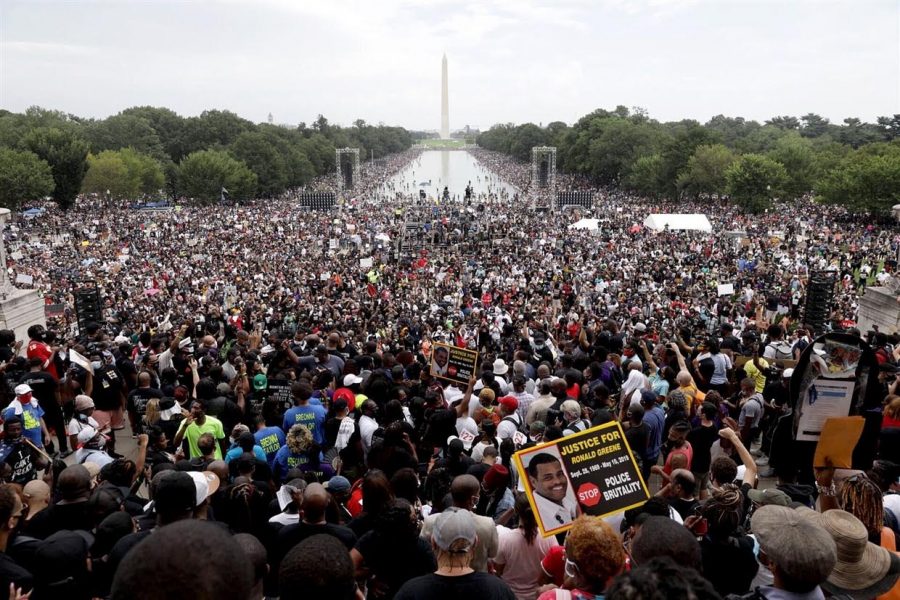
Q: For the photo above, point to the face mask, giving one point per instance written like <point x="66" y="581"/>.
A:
<point x="571" y="568"/>
<point x="96" y="364"/>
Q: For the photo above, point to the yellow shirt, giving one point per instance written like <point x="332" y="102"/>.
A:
<point x="755" y="374"/>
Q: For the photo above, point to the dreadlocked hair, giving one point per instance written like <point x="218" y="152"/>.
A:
<point x="862" y="498"/>
<point x="724" y="510"/>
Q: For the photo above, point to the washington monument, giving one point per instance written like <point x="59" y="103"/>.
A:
<point x="445" y="103"/>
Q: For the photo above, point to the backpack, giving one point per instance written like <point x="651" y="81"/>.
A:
<point x="780" y="352"/>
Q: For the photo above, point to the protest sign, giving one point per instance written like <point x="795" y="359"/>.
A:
<point x="81" y="361"/>
<point x="24" y="279"/>
<point x="452" y="363"/>
<point x="280" y="393"/>
<point x="838" y="439"/>
<point x="725" y="289"/>
<point x="366" y="263"/>
<point x="592" y="472"/>
<point x="828" y="388"/>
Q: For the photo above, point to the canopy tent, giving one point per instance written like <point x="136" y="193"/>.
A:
<point x="590" y="224"/>
<point x="696" y="222"/>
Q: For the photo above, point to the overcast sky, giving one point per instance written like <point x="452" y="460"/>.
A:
<point x="509" y="60"/>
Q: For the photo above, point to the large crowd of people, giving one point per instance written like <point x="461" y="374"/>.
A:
<point x="272" y="367"/>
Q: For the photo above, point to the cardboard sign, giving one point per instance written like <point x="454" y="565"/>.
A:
<point x="837" y="441"/>
<point x="24" y="279"/>
<point x="592" y="472"/>
<point x="726" y="289"/>
<point x="81" y="361"/>
<point x="366" y="263"/>
<point x="452" y="363"/>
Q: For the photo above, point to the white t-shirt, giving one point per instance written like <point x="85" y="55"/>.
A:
<point x="521" y="560"/>
<point x="75" y="426"/>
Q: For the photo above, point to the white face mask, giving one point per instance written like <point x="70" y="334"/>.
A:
<point x="571" y="568"/>
<point x="96" y="364"/>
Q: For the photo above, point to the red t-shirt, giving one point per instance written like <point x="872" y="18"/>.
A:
<point x="685" y="451"/>
<point x="42" y="351"/>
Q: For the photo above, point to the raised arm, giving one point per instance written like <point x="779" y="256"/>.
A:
<point x="746" y="458"/>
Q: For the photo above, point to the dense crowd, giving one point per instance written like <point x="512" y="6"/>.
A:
<point x="272" y="365"/>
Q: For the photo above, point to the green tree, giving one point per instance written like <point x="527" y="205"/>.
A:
<point x="753" y="180"/>
<point x="800" y="163"/>
<point x="257" y="152"/>
<point x="66" y="154"/>
<point x="705" y="171"/>
<point x="124" y="174"/>
<point x="204" y="173"/>
<point x="23" y="178"/>
<point x="125" y="131"/>
<point x="864" y="181"/>
<point x="647" y="175"/>
<point x="814" y="125"/>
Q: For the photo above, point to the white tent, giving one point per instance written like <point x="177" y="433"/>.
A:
<point x="590" y="224"/>
<point x="696" y="222"/>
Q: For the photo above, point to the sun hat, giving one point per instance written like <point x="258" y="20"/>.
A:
<point x="802" y="549"/>
<point x="500" y="367"/>
<point x="863" y="569"/>
<point x="452" y="525"/>
<point x="769" y="496"/>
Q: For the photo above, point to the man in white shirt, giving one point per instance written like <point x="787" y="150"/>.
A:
<point x="556" y="505"/>
<point x="368" y="424"/>
<point x="509" y="418"/>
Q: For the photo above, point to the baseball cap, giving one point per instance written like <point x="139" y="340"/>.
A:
<point x="63" y="556"/>
<point x="186" y="345"/>
<point x="22" y="389"/>
<point x="640" y="327"/>
<point x="351" y="379"/>
<point x="802" y="550"/>
<point x="205" y="483"/>
<point x="83" y="402"/>
<point x="769" y="496"/>
<point x="338" y="484"/>
<point x="451" y="526"/>
<point x="260" y="382"/>
<point x="496" y="476"/>
<point x="508" y="402"/>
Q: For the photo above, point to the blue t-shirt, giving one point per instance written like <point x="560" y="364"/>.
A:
<point x="236" y="452"/>
<point x="312" y="416"/>
<point x="285" y="460"/>
<point x="270" y="439"/>
<point x="31" y="422"/>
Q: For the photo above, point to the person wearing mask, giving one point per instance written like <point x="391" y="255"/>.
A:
<point x="26" y="408"/>
<point x="594" y="557"/>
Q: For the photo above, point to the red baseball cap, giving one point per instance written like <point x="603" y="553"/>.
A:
<point x="509" y="403"/>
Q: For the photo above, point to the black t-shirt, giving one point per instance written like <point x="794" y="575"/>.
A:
<point x="108" y="387"/>
<point x="702" y="439"/>
<point x="638" y="439"/>
<point x="139" y="397"/>
<point x="729" y="565"/>
<point x="57" y="517"/>
<point x="474" y="586"/>
<point x="683" y="507"/>
<point x="394" y="564"/>
<point x="19" y="457"/>
<point x="43" y="386"/>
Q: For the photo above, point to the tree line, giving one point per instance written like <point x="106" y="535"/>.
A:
<point x="854" y="164"/>
<point x="152" y="152"/>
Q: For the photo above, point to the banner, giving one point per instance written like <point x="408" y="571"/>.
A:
<point x="592" y="472"/>
<point x="81" y="361"/>
<point x="24" y="279"/>
<point x="725" y="289"/>
<point x="452" y="363"/>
